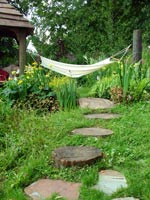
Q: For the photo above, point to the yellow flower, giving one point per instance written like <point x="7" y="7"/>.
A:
<point x="9" y="79"/>
<point x="20" y="82"/>
<point x="34" y="63"/>
<point x="13" y="72"/>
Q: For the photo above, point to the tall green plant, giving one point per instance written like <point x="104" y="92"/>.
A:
<point x="131" y="83"/>
<point x="125" y="72"/>
<point x="65" y="89"/>
<point x="103" y="86"/>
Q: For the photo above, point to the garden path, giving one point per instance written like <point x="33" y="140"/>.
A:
<point x="109" y="180"/>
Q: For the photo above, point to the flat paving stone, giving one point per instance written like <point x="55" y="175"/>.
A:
<point x="95" y="132"/>
<point x="102" y="116"/>
<point x="75" y="156"/>
<point x="95" y="103"/>
<point x="110" y="181"/>
<point x="126" y="198"/>
<point x="45" y="188"/>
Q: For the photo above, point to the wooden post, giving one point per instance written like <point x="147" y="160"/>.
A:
<point x="22" y="51"/>
<point x="137" y="47"/>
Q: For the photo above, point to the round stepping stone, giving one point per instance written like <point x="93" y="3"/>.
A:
<point x="126" y="198"/>
<point x="95" y="103"/>
<point x="102" y="116"/>
<point x="45" y="188"/>
<point x="96" y="132"/>
<point x="75" y="156"/>
<point x="110" y="181"/>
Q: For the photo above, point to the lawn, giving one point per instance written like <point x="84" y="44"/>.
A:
<point x="27" y="141"/>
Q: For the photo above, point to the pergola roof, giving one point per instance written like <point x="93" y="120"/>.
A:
<point x="13" y="24"/>
<point x="12" y="18"/>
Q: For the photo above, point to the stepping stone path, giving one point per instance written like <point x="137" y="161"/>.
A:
<point x="126" y="198"/>
<point x="110" y="181"/>
<point x="102" y="116"/>
<point x="96" y="132"/>
<point x="75" y="156"/>
<point x="45" y="188"/>
<point x="95" y="103"/>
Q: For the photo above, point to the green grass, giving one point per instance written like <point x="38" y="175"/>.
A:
<point x="27" y="141"/>
<point x="83" y="91"/>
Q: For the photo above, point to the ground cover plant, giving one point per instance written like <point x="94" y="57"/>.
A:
<point x="27" y="141"/>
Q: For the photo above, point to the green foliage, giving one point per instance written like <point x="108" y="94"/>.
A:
<point x="103" y="86"/>
<point x="5" y="109"/>
<point x="65" y="89"/>
<point x="86" y="27"/>
<point x="131" y="83"/>
<point x="123" y="81"/>
<point x="8" y="52"/>
<point x="31" y="90"/>
<point x="40" y="89"/>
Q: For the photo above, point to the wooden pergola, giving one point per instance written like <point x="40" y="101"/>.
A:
<point x="13" y="24"/>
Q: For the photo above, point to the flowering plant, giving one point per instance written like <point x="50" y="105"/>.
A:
<point x="34" y="82"/>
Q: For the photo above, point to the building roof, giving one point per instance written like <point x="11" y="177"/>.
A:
<point x="11" y="17"/>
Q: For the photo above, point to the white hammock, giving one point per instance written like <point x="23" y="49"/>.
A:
<point x="73" y="70"/>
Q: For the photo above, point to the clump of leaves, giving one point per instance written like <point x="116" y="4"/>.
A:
<point x="36" y="103"/>
<point x="103" y="86"/>
<point x="124" y="83"/>
<point x="65" y="89"/>
<point x="31" y="89"/>
<point x="133" y="85"/>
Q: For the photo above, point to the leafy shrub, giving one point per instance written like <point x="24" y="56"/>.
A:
<point x="125" y="81"/>
<point x="39" y="89"/>
<point x="103" y="86"/>
<point x="31" y="89"/>
<point x="133" y="80"/>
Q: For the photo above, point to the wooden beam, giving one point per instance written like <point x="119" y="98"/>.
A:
<point x="137" y="48"/>
<point x="137" y="45"/>
<point x="15" y="23"/>
<point x="22" y="50"/>
<point x="12" y="17"/>
<point x="4" y="5"/>
<point x="10" y="11"/>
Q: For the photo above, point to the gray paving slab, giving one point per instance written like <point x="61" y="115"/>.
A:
<point x="95" y="132"/>
<point x="95" y="103"/>
<point x="102" y="116"/>
<point x="110" y="181"/>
